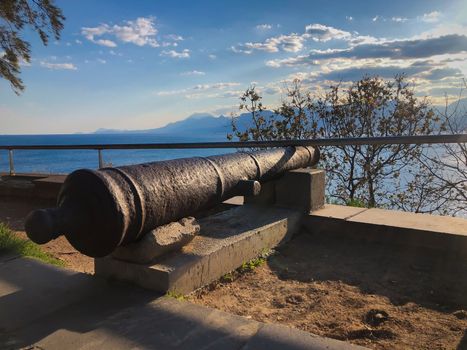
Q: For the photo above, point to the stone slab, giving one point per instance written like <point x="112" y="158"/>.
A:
<point x="53" y="179"/>
<point x="161" y="324"/>
<point x="443" y="233"/>
<point x="118" y="316"/>
<point x="158" y="242"/>
<point x="226" y="240"/>
<point x="301" y="189"/>
<point x="338" y="211"/>
<point x="31" y="186"/>
<point x="30" y="289"/>
<point x="423" y="222"/>
<point x="276" y="337"/>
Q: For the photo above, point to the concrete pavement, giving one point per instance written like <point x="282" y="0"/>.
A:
<point x="46" y="307"/>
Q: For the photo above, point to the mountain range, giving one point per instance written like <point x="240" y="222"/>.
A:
<point x="198" y="123"/>
<point x="208" y="124"/>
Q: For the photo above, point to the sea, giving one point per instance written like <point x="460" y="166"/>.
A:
<point x="65" y="161"/>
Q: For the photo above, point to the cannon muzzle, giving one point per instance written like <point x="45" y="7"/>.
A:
<point x="99" y="210"/>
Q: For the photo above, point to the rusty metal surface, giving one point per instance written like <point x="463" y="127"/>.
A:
<point x="100" y="210"/>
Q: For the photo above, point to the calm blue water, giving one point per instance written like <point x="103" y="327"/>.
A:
<point x="65" y="161"/>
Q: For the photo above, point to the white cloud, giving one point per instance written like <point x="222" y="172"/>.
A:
<point x="192" y="72"/>
<point x="320" y="32"/>
<point x="399" y="19"/>
<point x="212" y="57"/>
<point x="169" y="43"/>
<point x="79" y="42"/>
<point x="374" y="19"/>
<point x="294" y="42"/>
<point x="141" y="32"/>
<point x="174" y="37"/>
<point x="216" y="86"/>
<point x="58" y="66"/>
<point x="290" y="43"/>
<point x="200" y="90"/>
<point x="263" y="26"/>
<point x="105" y="42"/>
<point x="292" y="61"/>
<point x="175" y="54"/>
<point x="101" y="61"/>
<point x="349" y="18"/>
<point x="170" y="92"/>
<point x="431" y="17"/>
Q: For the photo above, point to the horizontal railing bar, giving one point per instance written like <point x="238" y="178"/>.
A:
<point x="348" y="141"/>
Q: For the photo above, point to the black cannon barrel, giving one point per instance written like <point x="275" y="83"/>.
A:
<point x="99" y="210"/>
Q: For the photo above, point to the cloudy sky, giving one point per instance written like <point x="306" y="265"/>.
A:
<point x="142" y="64"/>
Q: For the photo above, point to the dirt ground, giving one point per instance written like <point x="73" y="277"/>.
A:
<point x="369" y="295"/>
<point x="372" y="295"/>
<point x="13" y="212"/>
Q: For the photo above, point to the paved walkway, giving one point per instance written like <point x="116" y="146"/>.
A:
<point x="45" y="307"/>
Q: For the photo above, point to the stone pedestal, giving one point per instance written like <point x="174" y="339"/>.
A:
<point x="225" y="241"/>
<point x="301" y="190"/>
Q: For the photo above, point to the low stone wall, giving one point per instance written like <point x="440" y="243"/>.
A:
<point x="31" y="186"/>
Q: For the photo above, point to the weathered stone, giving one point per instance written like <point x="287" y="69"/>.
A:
<point x="161" y="240"/>
<point x="301" y="189"/>
<point x="226" y="240"/>
<point x="266" y="196"/>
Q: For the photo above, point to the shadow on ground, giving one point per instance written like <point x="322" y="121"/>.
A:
<point x="402" y="274"/>
<point x="56" y="308"/>
<point x="45" y="307"/>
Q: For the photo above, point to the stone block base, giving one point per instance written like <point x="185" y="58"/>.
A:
<point x="301" y="189"/>
<point x="226" y="240"/>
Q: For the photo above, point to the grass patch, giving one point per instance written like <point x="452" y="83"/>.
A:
<point x="252" y="264"/>
<point x="9" y="242"/>
<point x="174" y="294"/>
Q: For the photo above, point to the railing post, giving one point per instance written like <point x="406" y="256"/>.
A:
<point x="101" y="161"/>
<point x="12" y="164"/>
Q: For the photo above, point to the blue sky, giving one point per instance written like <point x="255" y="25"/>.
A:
<point x="141" y="64"/>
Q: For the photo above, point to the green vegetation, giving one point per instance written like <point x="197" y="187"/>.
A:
<point x="41" y="16"/>
<point x="248" y="266"/>
<point x="228" y="277"/>
<point x="251" y="265"/>
<point x="174" y="294"/>
<point x="9" y="242"/>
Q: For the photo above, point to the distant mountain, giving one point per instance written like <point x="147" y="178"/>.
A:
<point x="457" y="112"/>
<point x="195" y="124"/>
<point x="205" y="124"/>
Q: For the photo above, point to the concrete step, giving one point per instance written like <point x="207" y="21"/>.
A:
<point x="51" y="308"/>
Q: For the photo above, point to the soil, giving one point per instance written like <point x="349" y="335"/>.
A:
<point x="372" y="295"/>
<point x="369" y="295"/>
<point x="13" y="212"/>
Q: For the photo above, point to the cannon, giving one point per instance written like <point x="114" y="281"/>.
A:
<point x="99" y="210"/>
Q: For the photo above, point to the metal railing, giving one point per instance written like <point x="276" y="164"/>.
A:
<point x="349" y="141"/>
